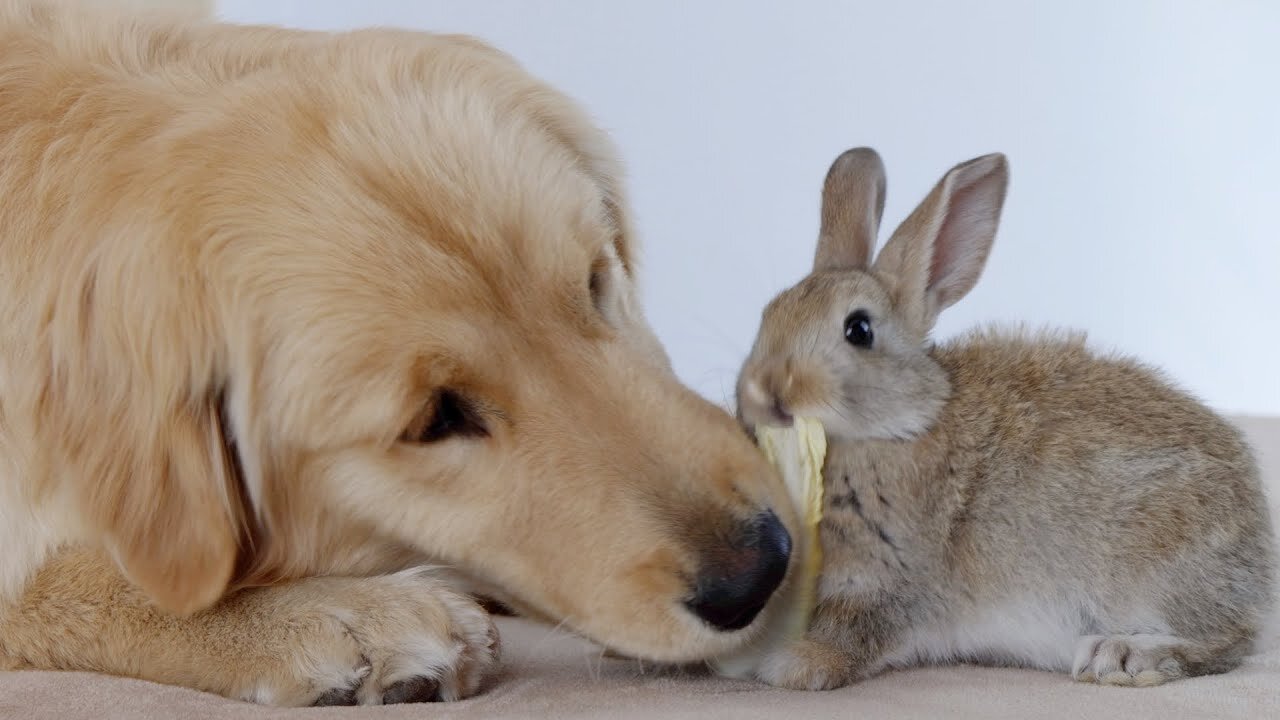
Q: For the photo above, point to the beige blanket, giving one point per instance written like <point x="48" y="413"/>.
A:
<point x="551" y="675"/>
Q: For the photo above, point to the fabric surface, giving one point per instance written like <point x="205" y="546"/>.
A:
<point x="550" y="674"/>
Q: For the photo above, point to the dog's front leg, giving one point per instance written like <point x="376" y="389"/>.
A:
<point x="338" y="640"/>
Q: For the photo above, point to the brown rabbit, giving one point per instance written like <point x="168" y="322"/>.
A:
<point x="1006" y="497"/>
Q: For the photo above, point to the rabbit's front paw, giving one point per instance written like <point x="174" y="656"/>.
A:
<point x="808" y="665"/>
<point x="1128" y="660"/>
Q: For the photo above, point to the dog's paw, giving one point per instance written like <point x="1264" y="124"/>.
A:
<point x="1126" y="660"/>
<point x="398" y="638"/>
<point x="807" y="665"/>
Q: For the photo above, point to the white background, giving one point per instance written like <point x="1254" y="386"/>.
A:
<point x="1142" y="138"/>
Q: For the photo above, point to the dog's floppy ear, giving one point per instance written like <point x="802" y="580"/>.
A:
<point x="164" y="505"/>
<point x="569" y="125"/>
<point x="130" y="418"/>
<point x="598" y="158"/>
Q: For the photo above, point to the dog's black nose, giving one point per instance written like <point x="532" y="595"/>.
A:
<point x="734" y="589"/>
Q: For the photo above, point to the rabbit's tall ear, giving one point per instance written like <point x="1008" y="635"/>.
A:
<point x="852" y="203"/>
<point x="936" y="256"/>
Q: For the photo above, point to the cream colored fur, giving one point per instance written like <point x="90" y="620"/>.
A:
<point x="245" y="273"/>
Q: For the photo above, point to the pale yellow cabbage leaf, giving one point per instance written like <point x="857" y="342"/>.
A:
<point x="798" y="452"/>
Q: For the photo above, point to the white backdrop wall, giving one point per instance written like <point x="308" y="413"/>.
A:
<point x="1143" y="140"/>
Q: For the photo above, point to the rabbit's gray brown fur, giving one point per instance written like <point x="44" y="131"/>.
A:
<point x="1007" y="497"/>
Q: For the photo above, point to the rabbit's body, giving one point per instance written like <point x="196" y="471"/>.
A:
<point x="1046" y="505"/>
<point x="1006" y="497"/>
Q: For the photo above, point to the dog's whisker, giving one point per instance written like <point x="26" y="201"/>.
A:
<point x="550" y="633"/>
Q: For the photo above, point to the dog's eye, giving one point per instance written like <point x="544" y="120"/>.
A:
<point x="600" y="286"/>
<point x="595" y="285"/>
<point x="448" y="415"/>
<point x="857" y="329"/>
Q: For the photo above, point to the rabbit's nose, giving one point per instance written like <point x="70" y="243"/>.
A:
<point x="761" y="403"/>
<point x="755" y="392"/>
<point x="779" y="386"/>
<point x="781" y="413"/>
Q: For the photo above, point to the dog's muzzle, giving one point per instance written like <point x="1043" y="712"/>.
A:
<point x="734" y="586"/>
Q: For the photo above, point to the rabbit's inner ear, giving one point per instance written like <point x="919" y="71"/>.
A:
<point x="852" y="203"/>
<point x="968" y="228"/>
<point x="935" y="257"/>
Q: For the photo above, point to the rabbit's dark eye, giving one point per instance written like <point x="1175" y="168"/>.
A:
<point x="857" y="329"/>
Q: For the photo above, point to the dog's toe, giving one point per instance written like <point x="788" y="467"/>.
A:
<point x="417" y="689"/>
<point x="336" y="696"/>
<point x="384" y="640"/>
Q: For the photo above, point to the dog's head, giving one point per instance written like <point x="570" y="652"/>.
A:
<point x="385" y="297"/>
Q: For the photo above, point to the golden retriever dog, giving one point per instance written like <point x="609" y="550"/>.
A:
<point x="292" y="320"/>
